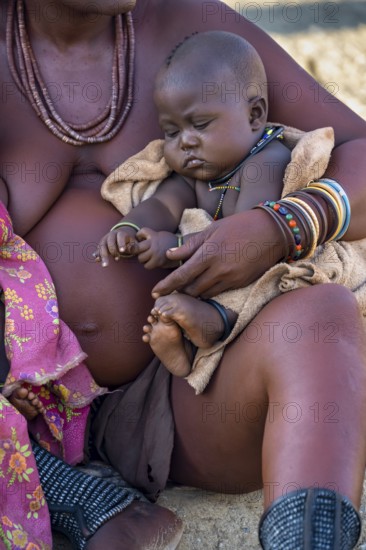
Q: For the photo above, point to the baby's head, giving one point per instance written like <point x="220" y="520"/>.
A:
<point x="211" y="96"/>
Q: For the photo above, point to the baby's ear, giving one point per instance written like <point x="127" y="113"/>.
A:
<point x="257" y="113"/>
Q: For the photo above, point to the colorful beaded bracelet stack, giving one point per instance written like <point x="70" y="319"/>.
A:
<point x="335" y="206"/>
<point x="306" y="219"/>
<point x="287" y="223"/>
<point x="311" y="222"/>
<point x="297" y="215"/>
<point x="337" y="200"/>
<point x="282" y="228"/>
<point x="318" y="208"/>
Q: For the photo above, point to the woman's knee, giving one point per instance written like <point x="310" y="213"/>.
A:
<point x="329" y="306"/>
<point x="311" y="324"/>
<point x="327" y="299"/>
<point x="301" y="330"/>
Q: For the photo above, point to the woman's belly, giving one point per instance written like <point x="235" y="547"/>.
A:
<point x="105" y="307"/>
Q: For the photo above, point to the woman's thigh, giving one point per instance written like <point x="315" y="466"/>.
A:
<point x="303" y="351"/>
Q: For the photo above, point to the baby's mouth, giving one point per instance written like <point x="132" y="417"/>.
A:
<point x="193" y="162"/>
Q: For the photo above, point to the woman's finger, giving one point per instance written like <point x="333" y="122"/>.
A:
<point x="181" y="277"/>
<point x="213" y="290"/>
<point x="187" y="249"/>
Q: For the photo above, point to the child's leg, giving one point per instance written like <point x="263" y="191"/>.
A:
<point x="202" y="323"/>
<point x="26" y="402"/>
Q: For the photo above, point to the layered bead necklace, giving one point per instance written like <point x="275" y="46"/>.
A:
<point x="27" y="76"/>
<point x="222" y="183"/>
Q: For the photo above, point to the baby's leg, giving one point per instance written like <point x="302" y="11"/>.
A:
<point x="26" y="402"/>
<point x="200" y="321"/>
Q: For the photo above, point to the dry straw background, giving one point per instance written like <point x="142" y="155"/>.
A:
<point x="328" y="39"/>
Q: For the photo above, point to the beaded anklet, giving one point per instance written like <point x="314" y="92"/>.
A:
<point x="310" y="519"/>
<point x="79" y="503"/>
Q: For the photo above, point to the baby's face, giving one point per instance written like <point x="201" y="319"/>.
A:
<point x="207" y="130"/>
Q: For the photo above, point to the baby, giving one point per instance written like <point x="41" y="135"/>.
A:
<point x="211" y="96"/>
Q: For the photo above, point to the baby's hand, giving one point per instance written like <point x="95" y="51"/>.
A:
<point x="152" y="246"/>
<point x="118" y="243"/>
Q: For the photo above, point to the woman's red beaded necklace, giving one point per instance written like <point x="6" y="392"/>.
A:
<point x="27" y="76"/>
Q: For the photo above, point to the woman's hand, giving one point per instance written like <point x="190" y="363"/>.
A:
<point x="230" y="253"/>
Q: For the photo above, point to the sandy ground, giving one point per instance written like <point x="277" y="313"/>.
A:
<point x="329" y="40"/>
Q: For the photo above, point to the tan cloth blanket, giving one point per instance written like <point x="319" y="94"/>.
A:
<point x="337" y="262"/>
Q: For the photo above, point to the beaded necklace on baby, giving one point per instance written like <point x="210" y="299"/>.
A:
<point x="222" y="184"/>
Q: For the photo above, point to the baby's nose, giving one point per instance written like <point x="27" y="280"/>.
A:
<point x="188" y="139"/>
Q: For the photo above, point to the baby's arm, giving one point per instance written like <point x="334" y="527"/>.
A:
<point x="262" y="176"/>
<point x="162" y="211"/>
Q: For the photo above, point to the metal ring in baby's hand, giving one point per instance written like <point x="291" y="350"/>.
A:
<point x="125" y="224"/>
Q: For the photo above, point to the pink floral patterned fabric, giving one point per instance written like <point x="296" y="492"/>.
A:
<point x="44" y="356"/>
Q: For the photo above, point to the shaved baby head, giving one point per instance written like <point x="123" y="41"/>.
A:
<point x="213" y="57"/>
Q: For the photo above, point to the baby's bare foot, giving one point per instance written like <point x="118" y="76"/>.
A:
<point x="175" y="315"/>
<point x="26" y="402"/>
<point x="166" y="340"/>
<point x="200" y="321"/>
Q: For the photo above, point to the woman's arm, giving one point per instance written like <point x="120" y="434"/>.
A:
<point x="295" y="99"/>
